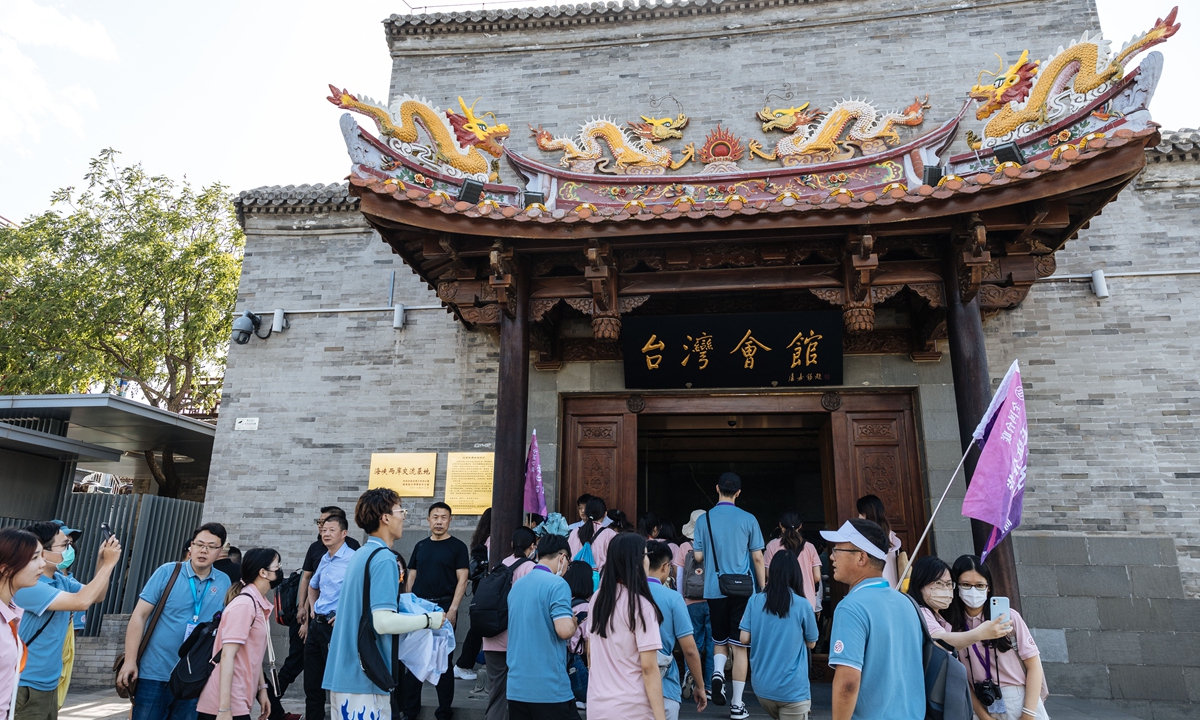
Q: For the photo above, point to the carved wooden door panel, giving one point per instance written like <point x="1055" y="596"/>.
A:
<point x="599" y="446"/>
<point x="878" y="456"/>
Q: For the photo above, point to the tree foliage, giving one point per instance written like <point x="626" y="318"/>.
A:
<point x="133" y="278"/>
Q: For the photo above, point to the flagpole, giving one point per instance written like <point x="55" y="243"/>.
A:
<point x="929" y="525"/>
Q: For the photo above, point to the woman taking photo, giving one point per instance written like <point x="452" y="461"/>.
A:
<point x="243" y="636"/>
<point x="21" y="565"/>
<point x="623" y="640"/>
<point x="806" y="555"/>
<point x="592" y="536"/>
<point x="870" y="507"/>
<point x="930" y="584"/>
<point x="780" y="627"/>
<point x="1010" y="664"/>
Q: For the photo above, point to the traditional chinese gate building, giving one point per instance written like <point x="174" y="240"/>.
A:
<point x="834" y="262"/>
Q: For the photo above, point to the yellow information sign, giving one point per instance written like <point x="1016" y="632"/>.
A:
<point x="469" y="482"/>
<point x="409" y="474"/>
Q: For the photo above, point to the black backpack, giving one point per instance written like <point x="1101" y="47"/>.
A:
<point x="489" y="606"/>
<point x="478" y="566"/>
<point x="197" y="658"/>
<point x="947" y="690"/>
<point x="287" y="599"/>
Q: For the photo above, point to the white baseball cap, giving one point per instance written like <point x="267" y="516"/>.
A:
<point x="847" y="533"/>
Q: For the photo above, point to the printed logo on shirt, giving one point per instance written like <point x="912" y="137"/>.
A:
<point x="838" y="646"/>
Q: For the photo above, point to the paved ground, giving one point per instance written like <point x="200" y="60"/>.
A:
<point x="103" y="704"/>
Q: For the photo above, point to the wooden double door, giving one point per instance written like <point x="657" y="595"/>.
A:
<point x="869" y="446"/>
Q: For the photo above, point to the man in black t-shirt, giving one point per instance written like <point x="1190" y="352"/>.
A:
<point x="437" y="571"/>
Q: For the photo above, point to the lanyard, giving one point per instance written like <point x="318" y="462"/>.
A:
<point x="883" y="583"/>
<point x="654" y="580"/>
<point x="13" y="625"/>
<point x="985" y="660"/>
<point x="539" y="566"/>
<point x="197" y="597"/>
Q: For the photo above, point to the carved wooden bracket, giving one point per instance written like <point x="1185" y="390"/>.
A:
<point x="458" y="268"/>
<point x="933" y="293"/>
<point x="606" y="324"/>
<point x="860" y="263"/>
<point x="501" y="278"/>
<point x="481" y="315"/>
<point x="466" y="292"/>
<point x="971" y="258"/>
<point x="601" y="274"/>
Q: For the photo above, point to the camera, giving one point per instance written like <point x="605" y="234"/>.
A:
<point x="988" y="692"/>
<point x="245" y="326"/>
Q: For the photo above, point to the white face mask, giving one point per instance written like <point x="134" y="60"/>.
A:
<point x="972" y="597"/>
<point x="938" y="599"/>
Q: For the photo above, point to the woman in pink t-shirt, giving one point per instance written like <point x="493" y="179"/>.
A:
<point x="930" y="585"/>
<point x="592" y="533"/>
<point x="806" y="554"/>
<point x="1012" y="662"/>
<point x="242" y="636"/>
<point x="623" y="640"/>
<point x="870" y="507"/>
<point x="495" y="648"/>
<point x="21" y="564"/>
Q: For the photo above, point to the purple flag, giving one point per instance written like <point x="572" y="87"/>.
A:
<point x="997" y="489"/>
<point x="535" y="494"/>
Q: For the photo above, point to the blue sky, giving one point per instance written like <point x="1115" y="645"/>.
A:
<point x="235" y="91"/>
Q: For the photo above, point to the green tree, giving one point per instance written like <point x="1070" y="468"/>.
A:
<point x="132" y="279"/>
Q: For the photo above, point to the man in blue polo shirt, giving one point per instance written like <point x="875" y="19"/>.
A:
<point x="47" y="619"/>
<point x="875" y="644"/>
<point x="352" y="693"/>
<point x="196" y="594"/>
<point x="729" y="538"/>
<point x="324" y="590"/>
<point x="676" y="626"/>
<point x="539" y="624"/>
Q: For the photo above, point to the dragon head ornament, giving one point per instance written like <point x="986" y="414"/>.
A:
<point x="659" y="129"/>
<point x="788" y="119"/>
<point x="1010" y="86"/>
<point x="472" y="129"/>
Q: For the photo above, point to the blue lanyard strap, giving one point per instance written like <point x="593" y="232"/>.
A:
<point x="197" y="597"/>
<point x="884" y="583"/>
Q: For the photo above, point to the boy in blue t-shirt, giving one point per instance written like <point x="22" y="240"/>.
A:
<point x="352" y="693"/>
<point x="676" y="626"/>
<point x="539" y="624"/>
<point x="877" y="637"/>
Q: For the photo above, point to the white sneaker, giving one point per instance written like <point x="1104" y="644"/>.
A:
<point x="738" y="712"/>
<point x="580" y="705"/>
<point x="464" y="674"/>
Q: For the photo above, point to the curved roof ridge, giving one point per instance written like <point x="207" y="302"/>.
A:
<point x="292" y="195"/>
<point x="1182" y="142"/>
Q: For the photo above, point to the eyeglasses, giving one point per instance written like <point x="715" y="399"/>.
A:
<point x="56" y="548"/>
<point x="980" y="586"/>
<point x="205" y="546"/>
<point x="942" y="585"/>
<point x="852" y="550"/>
<point x="402" y="512"/>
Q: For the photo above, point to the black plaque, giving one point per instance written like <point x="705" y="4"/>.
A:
<point x="786" y="349"/>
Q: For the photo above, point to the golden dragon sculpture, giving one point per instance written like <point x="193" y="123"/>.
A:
<point x="816" y="136"/>
<point x="457" y="139"/>
<point x="633" y="149"/>
<point x="1033" y="93"/>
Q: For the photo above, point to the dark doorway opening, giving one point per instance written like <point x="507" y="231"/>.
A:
<point x="778" y="457"/>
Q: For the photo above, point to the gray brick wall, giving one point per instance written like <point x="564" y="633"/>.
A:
<point x="1111" y="620"/>
<point x="94" y="656"/>
<point x="1111" y="384"/>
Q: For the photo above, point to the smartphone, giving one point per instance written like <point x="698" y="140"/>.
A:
<point x="105" y="532"/>
<point x="999" y="607"/>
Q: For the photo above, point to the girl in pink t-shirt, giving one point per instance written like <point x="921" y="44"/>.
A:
<point x="930" y="585"/>
<point x="592" y="533"/>
<point x="806" y="555"/>
<point x="623" y="639"/>
<point x="495" y="649"/>
<point x="21" y="564"/>
<point x="1012" y="662"/>
<point x="870" y="507"/>
<point x="242" y="636"/>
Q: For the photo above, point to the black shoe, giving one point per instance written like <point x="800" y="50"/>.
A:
<point x="718" y="689"/>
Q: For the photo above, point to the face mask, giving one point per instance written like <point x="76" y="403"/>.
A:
<point x="972" y="597"/>
<point x="938" y="599"/>
<point x="277" y="580"/>
<point x="68" y="558"/>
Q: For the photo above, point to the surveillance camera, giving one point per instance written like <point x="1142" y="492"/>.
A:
<point x="245" y="326"/>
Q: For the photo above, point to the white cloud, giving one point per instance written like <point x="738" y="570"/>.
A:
<point x="38" y="26"/>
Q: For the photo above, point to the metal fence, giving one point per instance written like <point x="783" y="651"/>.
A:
<point x="163" y="526"/>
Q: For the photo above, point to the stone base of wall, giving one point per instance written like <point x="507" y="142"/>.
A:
<point x="1111" y="620"/>
<point x="94" y="656"/>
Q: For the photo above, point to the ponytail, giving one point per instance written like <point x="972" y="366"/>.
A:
<point x="791" y="538"/>
<point x="593" y="513"/>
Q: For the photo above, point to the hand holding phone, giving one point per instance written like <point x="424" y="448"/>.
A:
<point x="105" y="532"/>
<point x="999" y="608"/>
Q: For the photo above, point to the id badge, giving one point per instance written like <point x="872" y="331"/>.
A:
<point x="187" y="631"/>
<point x="998" y="707"/>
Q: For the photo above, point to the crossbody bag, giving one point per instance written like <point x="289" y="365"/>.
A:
<point x="731" y="584"/>
<point x="127" y="691"/>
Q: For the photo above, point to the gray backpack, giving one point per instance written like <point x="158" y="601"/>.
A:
<point x="693" y="577"/>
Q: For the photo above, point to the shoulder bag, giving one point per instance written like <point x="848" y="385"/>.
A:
<point x="730" y="584"/>
<point x="129" y="690"/>
<point x="373" y="664"/>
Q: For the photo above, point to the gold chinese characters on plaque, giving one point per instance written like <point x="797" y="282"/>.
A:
<point x="469" y="482"/>
<point x="409" y="474"/>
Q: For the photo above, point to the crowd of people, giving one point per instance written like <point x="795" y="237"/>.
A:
<point x="639" y="618"/>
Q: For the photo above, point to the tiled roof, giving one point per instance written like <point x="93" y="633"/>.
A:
<point x="838" y="200"/>
<point x="294" y="196"/>
<point x="1183" y="143"/>
<point x="563" y="15"/>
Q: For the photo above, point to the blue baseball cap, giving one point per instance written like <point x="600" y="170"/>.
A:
<point x="66" y="530"/>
